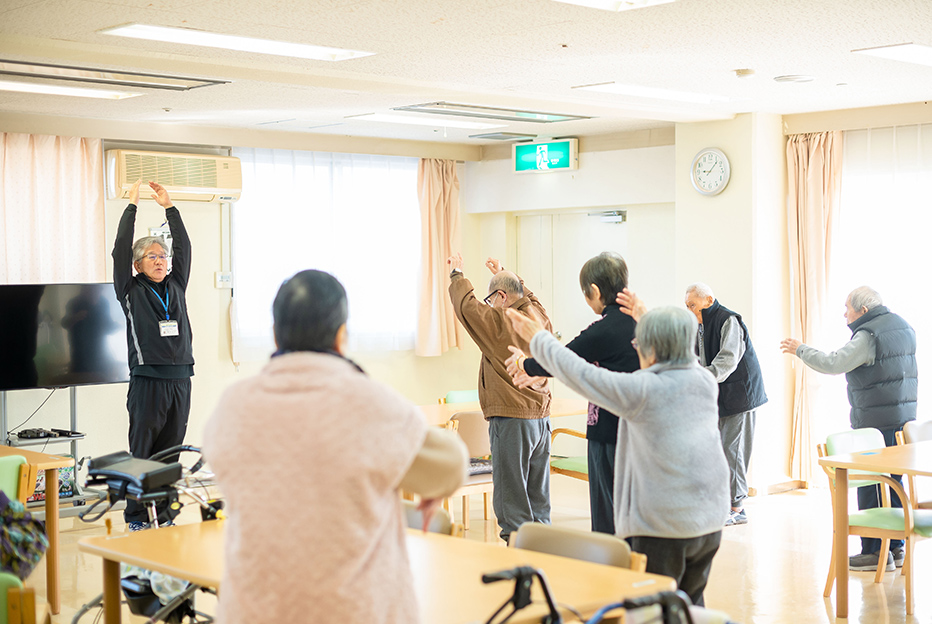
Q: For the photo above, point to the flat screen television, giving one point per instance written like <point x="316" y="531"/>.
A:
<point x="58" y="335"/>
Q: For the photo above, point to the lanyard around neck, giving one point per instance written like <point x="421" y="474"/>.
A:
<point x="164" y="303"/>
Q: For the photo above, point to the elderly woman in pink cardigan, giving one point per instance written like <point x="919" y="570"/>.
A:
<point x="310" y="455"/>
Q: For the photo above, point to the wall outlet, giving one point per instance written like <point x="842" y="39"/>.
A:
<point x="223" y="279"/>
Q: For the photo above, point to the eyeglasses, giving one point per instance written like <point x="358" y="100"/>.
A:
<point x="154" y="257"/>
<point x="634" y="343"/>
<point x="488" y="300"/>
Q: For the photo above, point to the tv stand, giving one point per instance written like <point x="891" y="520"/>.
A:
<point x="71" y="505"/>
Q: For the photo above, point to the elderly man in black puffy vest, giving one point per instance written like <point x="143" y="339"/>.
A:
<point x="725" y="350"/>
<point x="880" y="364"/>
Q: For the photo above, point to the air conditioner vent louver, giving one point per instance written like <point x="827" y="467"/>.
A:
<point x="187" y="177"/>
<point x="174" y="171"/>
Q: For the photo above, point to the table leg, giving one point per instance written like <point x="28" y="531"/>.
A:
<point x="52" y="567"/>
<point x="112" y="596"/>
<point x="841" y="542"/>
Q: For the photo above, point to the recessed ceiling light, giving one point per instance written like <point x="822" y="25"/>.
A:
<point x="423" y="121"/>
<point x="103" y="76"/>
<point x="615" y="5"/>
<point x="504" y="136"/>
<point x="794" y="78"/>
<point x="36" y="87"/>
<point x="488" y="112"/>
<point x="652" y="93"/>
<point x="905" y="52"/>
<point x="189" y="36"/>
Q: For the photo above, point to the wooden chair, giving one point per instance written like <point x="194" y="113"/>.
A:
<point x="18" y="603"/>
<point x="884" y="523"/>
<point x="17" y="478"/>
<point x="442" y="522"/>
<point x="576" y="466"/>
<point x="584" y="545"/>
<point x="915" y="431"/>
<point x="473" y="429"/>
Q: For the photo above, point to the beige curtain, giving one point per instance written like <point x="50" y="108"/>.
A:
<point x="814" y="185"/>
<point x="438" y="191"/>
<point x="51" y="209"/>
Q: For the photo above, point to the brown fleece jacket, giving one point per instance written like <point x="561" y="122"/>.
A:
<point x="492" y="333"/>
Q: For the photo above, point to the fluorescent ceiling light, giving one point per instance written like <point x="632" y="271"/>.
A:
<point x="615" y="5"/>
<point x="653" y="93"/>
<point x="504" y="136"/>
<point x="905" y="52"/>
<point x="35" y="87"/>
<point x="488" y="112"/>
<point x="422" y="121"/>
<point x="103" y="76"/>
<point x="189" y="36"/>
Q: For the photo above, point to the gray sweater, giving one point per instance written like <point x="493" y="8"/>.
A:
<point x="671" y="479"/>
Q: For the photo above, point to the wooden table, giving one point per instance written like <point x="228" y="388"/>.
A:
<point x="914" y="459"/>
<point x="439" y="413"/>
<point x="50" y="464"/>
<point x="447" y="572"/>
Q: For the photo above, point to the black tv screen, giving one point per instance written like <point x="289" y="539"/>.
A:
<point x="57" y="335"/>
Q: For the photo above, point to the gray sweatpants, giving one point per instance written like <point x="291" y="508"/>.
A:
<point x="737" y="438"/>
<point x="520" y="471"/>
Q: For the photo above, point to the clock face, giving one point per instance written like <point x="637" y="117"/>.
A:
<point x="710" y="171"/>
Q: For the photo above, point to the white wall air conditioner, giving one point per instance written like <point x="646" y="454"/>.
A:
<point x="186" y="177"/>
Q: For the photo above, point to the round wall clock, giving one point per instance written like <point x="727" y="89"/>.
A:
<point x="710" y="171"/>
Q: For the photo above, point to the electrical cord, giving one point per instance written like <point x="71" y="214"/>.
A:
<point x="17" y="427"/>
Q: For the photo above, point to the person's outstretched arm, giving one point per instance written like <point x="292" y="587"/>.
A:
<point x="123" y="244"/>
<point x="181" y="244"/>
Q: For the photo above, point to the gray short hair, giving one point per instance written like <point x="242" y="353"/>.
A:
<point x="508" y="282"/>
<point x="702" y="290"/>
<point x="864" y="297"/>
<point x="141" y="245"/>
<point x="668" y="334"/>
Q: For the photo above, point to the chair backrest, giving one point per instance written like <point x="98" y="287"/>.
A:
<point x="917" y="431"/>
<point x="461" y="396"/>
<point x="584" y="545"/>
<point x="7" y="582"/>
<point x="11" y="475"/>
<point x="473" y="428"/>
<point x="854" y="441"/>
<point x="442" y="522"/>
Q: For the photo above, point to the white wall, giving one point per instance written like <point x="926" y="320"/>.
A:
<point x="604" y="178"/>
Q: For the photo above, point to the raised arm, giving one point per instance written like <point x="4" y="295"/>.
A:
<point x="181" y="244"/>
<point x="123" y="244"/>
<point x="858" y="351"/>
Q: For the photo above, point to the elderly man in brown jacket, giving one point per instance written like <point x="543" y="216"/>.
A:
<point x="519" y="419"/>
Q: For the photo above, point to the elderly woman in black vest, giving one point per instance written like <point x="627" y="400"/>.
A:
<point x="880" y="364"/>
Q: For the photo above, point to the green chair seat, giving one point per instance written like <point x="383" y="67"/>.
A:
<point x="577" y="464"/>
<point x="892" y="519"/>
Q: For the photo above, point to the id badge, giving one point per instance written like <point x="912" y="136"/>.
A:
<point x="168" y="328"/>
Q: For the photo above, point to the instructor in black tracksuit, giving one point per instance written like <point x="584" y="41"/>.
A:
<point x="158" y="334"/>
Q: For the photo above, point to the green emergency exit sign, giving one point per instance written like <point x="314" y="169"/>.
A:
<point x="550" y="156"/>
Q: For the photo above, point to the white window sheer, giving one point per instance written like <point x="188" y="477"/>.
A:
<point x="51" y="207"/>
<point x="354" y="216"/>
<point x="882" y="242"/>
